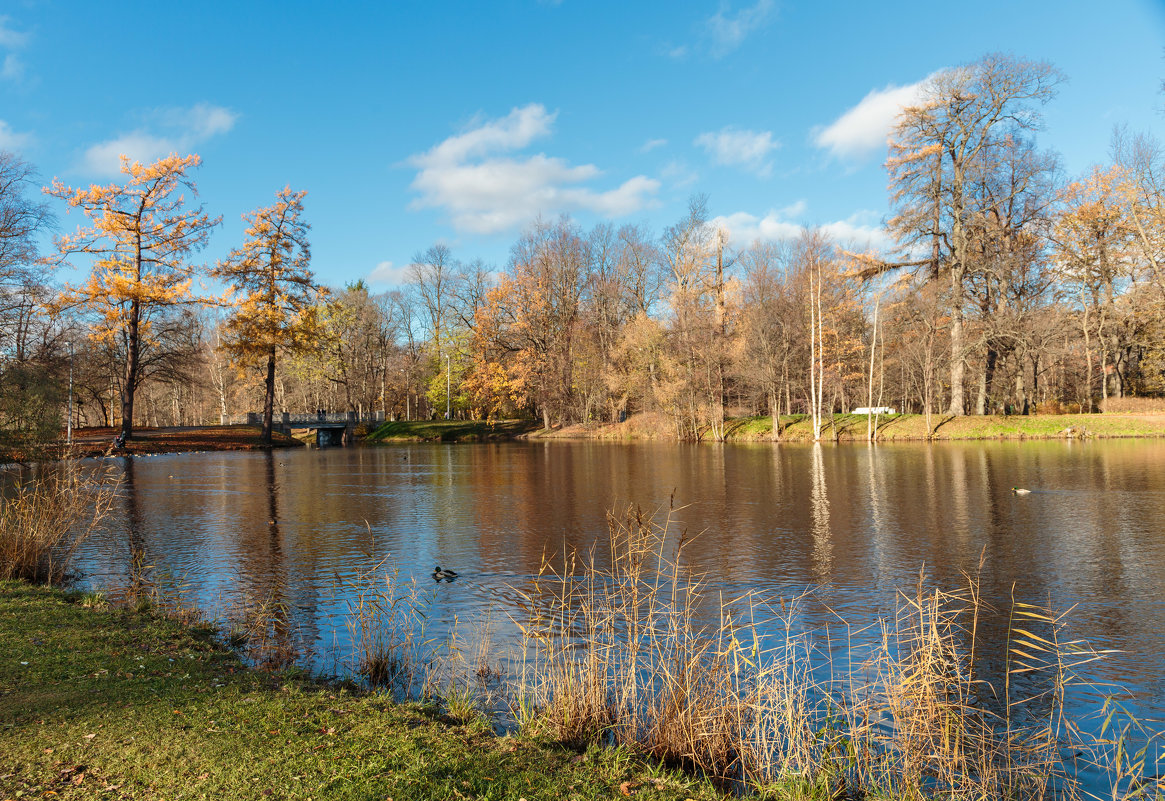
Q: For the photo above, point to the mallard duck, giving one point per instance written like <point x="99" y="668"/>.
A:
<point x="1021" y="491"/>
<point x="446" y="575"/>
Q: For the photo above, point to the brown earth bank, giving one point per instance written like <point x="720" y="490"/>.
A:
<point x="147" y="441"/>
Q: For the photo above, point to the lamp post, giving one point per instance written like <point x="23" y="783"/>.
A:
<point x="448" y="389"/>
<point x="69" y="425"/>
<point x="408" y="399"/>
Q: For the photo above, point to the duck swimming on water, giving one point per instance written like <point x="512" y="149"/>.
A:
<point x="443" y="575"/>
<point x="1021" y="491"/>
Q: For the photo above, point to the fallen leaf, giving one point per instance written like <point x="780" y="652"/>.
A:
<point x="90" y="736"/>
<point x="625" y="788"/>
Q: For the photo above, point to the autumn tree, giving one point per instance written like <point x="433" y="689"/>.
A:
<point x="936" y="147"/>
<point x="771" y="350"/>
<point x="1094" y="245"/>
<point x="548" y="275"/>
<point x="141" y="235"/>
<point x="274" y="291"/>
<point x="433" y="274"/>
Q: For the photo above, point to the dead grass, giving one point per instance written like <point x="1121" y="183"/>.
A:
<point x="1132" y="405"/>
<point x="45" y="517"/>
<point x="616" y="653"/>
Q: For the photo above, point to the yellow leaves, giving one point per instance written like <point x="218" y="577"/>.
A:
<point x="276" y="300"/>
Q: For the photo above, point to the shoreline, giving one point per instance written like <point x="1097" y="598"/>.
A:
<point x="107" y="701"/>
<point x="97" y="442"/>
<point x="796" y="428"/>
<point x="648" y="427"/>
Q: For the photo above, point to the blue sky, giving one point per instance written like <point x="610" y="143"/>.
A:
<point x="410" y="123"/>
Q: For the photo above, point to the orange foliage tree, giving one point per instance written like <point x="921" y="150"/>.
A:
<point x="274" y="292"/>
<point x="141" y="235"/>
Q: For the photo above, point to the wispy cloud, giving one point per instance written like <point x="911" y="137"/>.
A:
<point x="863" y="129"/>
<point x="740" y="148"/>
<point x="484" y="190"/>
<point x="859" y="230"/>
<point x="11" y="40"/>
<point x="679" y="174"/>
<point x="170" y="130"/>
<point x="652" y="144"/>
<point x="12" y="69"/>
<point x="728" y="30"/>
<point x="10" y="139"/>
<point x="388" y="274"/>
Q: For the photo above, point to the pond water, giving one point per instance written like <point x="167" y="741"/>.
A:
<point x="853" y="524"/>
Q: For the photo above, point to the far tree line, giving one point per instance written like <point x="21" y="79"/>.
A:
<point x="1012" y="288"/>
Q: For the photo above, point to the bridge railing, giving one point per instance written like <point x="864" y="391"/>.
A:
<point x="305" y="419"/>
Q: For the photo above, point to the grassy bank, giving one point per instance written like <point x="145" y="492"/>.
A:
<point x="450" y="430"/>
<point x="111" y="703"/>
<point x="895" y="428"/>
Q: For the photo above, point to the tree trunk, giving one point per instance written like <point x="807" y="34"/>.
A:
<point x="958" y="364"/>
<point x="133" y="344"/>
<point x="987" y="380"/>
<point x="269" y="397"/>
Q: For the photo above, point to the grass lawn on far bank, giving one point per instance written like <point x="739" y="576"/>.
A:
<point x="110" y="703"/>
<point x="901" y="427"/>
<point x="450" y="430"/>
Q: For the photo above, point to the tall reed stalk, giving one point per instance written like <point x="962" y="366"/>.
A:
<point x="631" y="649"/>
<point x="45" y="517"/>
<point x="387" y="622"/>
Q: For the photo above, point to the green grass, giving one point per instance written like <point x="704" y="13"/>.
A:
<point x="449" y="430"/>
<point x="905" y="427"/>
<point x="799" y="428"/>
<point x="109" y="703"/>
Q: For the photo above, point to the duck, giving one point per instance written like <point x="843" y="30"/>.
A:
<point x="446" y="575"/>
<point x="1021" y="491"/>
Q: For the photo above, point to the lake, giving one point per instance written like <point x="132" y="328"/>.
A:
<point x="850" y="524"/>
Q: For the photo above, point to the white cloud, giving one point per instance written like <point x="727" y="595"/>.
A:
<point x="201" y="121"/>
<point x="744" y="228"/>
<point x="10" y="139"/>
<point x="728" y="30"/>
<point x="10" y="38"/>
<point x="389" y="274"/>
<point x="182" y="130"/>
<point x="778" y="225"/>
<point x="652" y="144"/>
<point x="679" y="173"/>
<point x="746" y="149"/>
<point x="864" y="128"/>
<point x="858" y="235"/>
<point x="12" y="69"/>
<point x="485" y="191"/>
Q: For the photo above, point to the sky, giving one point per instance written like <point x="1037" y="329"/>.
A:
<point x="413" y="123"/>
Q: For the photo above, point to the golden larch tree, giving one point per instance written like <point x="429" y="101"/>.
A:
<point x="273" y="290"/>
<point x="141" y="236"/>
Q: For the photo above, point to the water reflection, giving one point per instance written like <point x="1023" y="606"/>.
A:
<point x="822" y="537"/>
<point x="855" y="523"/>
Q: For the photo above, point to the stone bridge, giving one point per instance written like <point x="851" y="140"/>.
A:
<point x="332" y="428"/>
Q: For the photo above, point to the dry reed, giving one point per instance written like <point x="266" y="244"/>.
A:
<point x="44" y="518"/>
<point x="630" y="649"/>
<point x="387" y="623"/>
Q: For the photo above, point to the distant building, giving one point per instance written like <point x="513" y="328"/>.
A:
<point x="875" y="410"/>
